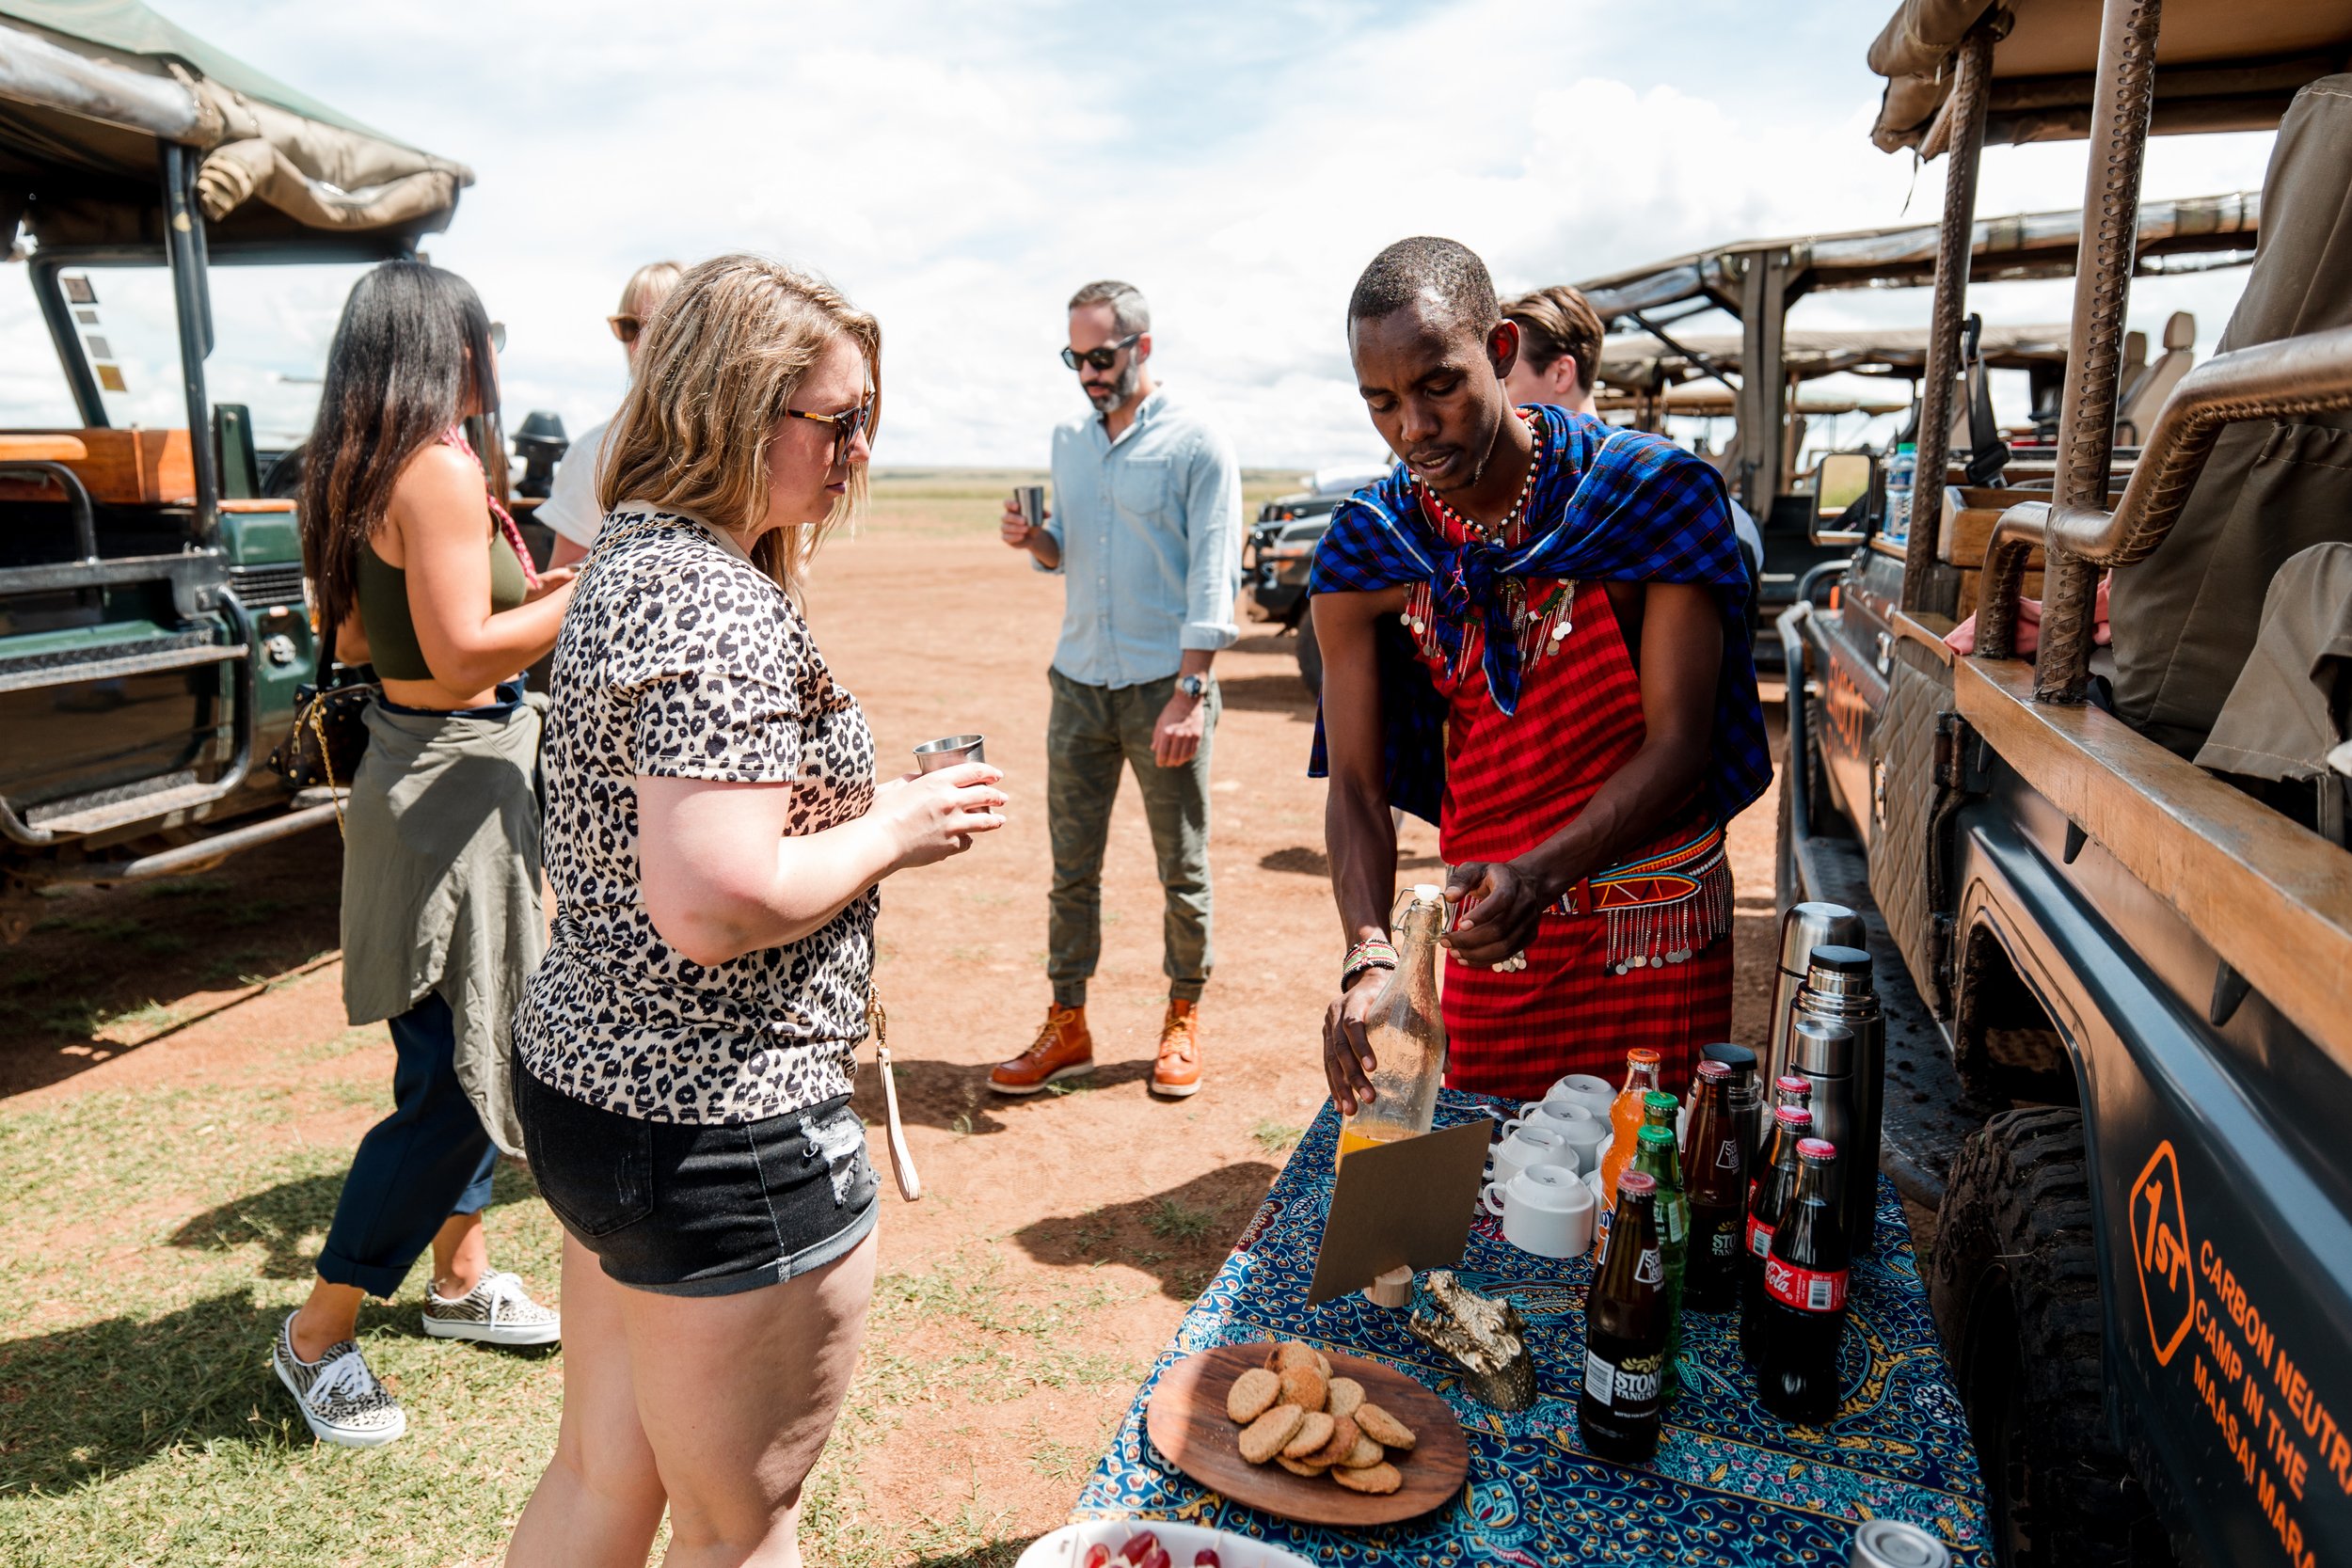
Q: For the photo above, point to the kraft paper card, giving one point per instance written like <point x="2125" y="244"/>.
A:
<point x="1401" y="1204"/>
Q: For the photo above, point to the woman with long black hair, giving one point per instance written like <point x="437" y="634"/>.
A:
<point x="420" y="570"/>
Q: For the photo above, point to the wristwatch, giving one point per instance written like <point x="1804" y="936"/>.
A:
<point x="1195" y="686"/>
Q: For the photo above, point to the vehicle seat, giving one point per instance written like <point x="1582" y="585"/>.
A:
<point x="2141" y="400"/>
<point x="2290" y="708"/>
<point x="2184" y="618"/>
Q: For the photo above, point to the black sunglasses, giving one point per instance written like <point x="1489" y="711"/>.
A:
<point x="1100" y="358"/>
<point x="846" y="425"/>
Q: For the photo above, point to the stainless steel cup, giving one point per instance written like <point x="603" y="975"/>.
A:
<point x="933" y="755"/>
<point x="1031" y="499"/>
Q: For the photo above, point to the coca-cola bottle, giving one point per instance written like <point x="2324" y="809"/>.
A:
<point x="1790" y="1125"/>
<point x="1788" y="1089"/>
<point x="1624" y="1334"/>
<point x="1804" y="1296"/>
<point x="1715" y="1173"/>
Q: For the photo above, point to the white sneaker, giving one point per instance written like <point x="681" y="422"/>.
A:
<point x="497" y="1311"/>
<point x="339" y="1397"/>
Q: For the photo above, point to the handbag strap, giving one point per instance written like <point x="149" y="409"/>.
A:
<point x="330" y="630"/>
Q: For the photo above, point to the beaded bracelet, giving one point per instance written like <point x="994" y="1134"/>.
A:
<point x="1371" y="953"/>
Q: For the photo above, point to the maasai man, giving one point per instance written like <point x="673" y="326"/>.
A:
<point x="1533" y="637"/>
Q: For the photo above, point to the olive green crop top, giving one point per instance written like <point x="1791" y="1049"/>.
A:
<point x="384" y="608"/>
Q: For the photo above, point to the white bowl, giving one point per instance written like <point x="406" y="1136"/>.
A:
<point x="1066" y="1548"/>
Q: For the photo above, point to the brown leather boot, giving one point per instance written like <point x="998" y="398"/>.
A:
<point x="1063" y="1048"/>
<point x="1176" y="1072"/>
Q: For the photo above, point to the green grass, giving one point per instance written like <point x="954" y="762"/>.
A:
<point x="155" y="1240"/>
<point x="1177" y="1222"/>
<point x="1274" y="1136"/>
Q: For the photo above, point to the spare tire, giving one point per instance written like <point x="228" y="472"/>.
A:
<point x="1309" y="651"/>
<point x="2015" y="1283"/>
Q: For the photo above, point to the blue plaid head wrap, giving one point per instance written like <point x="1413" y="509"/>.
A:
<point x="1609" y="506"/>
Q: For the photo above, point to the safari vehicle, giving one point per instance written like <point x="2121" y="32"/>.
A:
<point x="1281" y="545"/>
<point x="153" y="617"/>
<point x="2138" y="967"/>
<point x="1762" y="376"/>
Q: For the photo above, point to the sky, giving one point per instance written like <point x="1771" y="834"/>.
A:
<point x="961" y="169"/>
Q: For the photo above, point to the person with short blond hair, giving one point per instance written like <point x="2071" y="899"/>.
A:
<point x="1560" y="338"/>
<point x="571" y="509"/>
<point x="714" y="838"/>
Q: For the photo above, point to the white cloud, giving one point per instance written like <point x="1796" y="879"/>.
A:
<point x="960" y="169"/>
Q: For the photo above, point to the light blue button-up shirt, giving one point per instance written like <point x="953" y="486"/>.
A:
<point x="1149" y="530"/>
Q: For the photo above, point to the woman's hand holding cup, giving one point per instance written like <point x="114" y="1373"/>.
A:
<point x="932" y="815"/>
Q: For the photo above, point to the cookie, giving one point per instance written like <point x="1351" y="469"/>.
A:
<point x="1345" y="1396"/>
<point x="1378" y="1479"/>
<point x="1262" y="1438"/>
<point x="1252" y="1394"/>
<point x="1299" y="1467"/>
<point x="1291" y="1352"/>
<point x="1365" y="1455"/>
<point x="1323" y="1365"/>
<point x="1340" y="1444"/>
<point x="1304" y="1386"/>
<point x="1314" y="1432"/>
<point x="1383" y="1428"/>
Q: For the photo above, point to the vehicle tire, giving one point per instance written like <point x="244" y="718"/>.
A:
<point x="2015" y="1283"/>
<point x="1309" y="651"/>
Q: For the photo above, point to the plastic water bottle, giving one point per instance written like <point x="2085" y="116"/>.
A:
<point x="1899" y="469"/>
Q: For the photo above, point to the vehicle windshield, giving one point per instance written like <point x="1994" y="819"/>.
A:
<point x="271" y="329"/>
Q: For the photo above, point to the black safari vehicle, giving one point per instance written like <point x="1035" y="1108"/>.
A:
<point x="2110" y="881"/>
<point x="154" y="619"/>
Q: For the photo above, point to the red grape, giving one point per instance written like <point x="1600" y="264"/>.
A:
<point x="1098" y="1556"/>
<point x="1206" y="1558"/>
<point x="1139" y="1546"/>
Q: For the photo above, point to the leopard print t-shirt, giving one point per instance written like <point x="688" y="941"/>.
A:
<point x="680" y="659"/>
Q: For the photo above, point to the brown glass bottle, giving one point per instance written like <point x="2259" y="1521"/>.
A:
<point x="1624" y="1334"/>
<point x="1714" y="1172"/>
<point x="1792" y="1124"/>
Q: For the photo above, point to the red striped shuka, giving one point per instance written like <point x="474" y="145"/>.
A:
<point x="1637" y="955"/>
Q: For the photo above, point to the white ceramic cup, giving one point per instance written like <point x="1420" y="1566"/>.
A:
<point x="1582" y="1089"/>
<point x="1531" y="1145"/>
<point x="1546" y="1209"/>
<point x="1587" y="1132"/>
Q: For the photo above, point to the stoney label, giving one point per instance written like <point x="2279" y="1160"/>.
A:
<point x="1648" y="1269"/>
<point x="1806" y="1290"/>
<point x="1629" y="1387"/>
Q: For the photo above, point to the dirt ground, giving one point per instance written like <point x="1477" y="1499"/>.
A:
<point x="1063" y="1234"/>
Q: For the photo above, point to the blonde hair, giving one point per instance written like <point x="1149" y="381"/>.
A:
<point x="647" y="287"/>
<point x="718" y="366"/>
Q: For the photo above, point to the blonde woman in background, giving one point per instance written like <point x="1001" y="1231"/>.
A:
<point x="571" y="508"/>
<point x="714" y="839"/>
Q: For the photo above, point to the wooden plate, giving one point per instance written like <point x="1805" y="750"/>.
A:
<point x="1187" y="1423"/>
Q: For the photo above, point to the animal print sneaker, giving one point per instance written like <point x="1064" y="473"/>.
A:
<point x="339" y="1397"/>
<point x="497" y="1311"/>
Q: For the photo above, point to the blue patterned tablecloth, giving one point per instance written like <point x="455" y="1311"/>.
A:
<point x="1730" y="1484"/>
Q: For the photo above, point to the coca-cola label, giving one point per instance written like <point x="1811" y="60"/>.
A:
<point x="1806" y="1290"/>
<point x="1631" y="1386"/>
<point x="1759" y="1238"/>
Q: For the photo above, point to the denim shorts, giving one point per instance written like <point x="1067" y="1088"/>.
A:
<point x="686" y="1210"/>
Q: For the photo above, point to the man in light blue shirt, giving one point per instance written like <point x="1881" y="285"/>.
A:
<point x="1145" y="532"/>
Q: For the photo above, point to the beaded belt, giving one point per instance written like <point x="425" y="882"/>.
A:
<point x="1662" y="908"/>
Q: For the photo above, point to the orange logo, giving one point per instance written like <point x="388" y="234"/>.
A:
<point x="2168" y="1285"/>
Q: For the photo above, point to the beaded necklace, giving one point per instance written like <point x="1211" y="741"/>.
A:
<point x="1542" y="627"/>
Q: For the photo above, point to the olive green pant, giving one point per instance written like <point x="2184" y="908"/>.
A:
<point x="1093" y="733"/>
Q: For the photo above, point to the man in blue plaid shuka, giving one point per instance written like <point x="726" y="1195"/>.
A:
<point x="1617" y="505"/>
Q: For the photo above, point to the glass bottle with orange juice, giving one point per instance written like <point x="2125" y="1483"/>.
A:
<point x="1625" y="1117"/>
<point x="1405" y="1031"/>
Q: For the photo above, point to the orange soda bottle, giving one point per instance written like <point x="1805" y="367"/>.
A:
<point x="1625" y="1116"/>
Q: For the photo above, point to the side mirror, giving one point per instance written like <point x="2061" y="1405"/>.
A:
<point x="1844" y="484"/>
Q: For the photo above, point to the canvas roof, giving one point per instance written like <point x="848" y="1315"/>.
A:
<point x="2221" y="65"/>
<point x="1633" y="358"/>
<point x="89" y="90"/>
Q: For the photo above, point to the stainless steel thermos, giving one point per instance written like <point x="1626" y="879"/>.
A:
<point x="1837" y="1039"/>
<point x="1805" y="928"/>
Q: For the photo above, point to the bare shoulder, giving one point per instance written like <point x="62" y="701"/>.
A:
<point x="439" y="488"/>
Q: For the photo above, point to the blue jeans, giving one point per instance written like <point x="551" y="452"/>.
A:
<point x="430" y="1159"/>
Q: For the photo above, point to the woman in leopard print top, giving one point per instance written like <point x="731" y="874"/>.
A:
<point x="714" y="836"/>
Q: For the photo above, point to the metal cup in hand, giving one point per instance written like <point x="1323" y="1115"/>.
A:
<point x="1030" y="499"/>
<point x="933" y="755"/>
